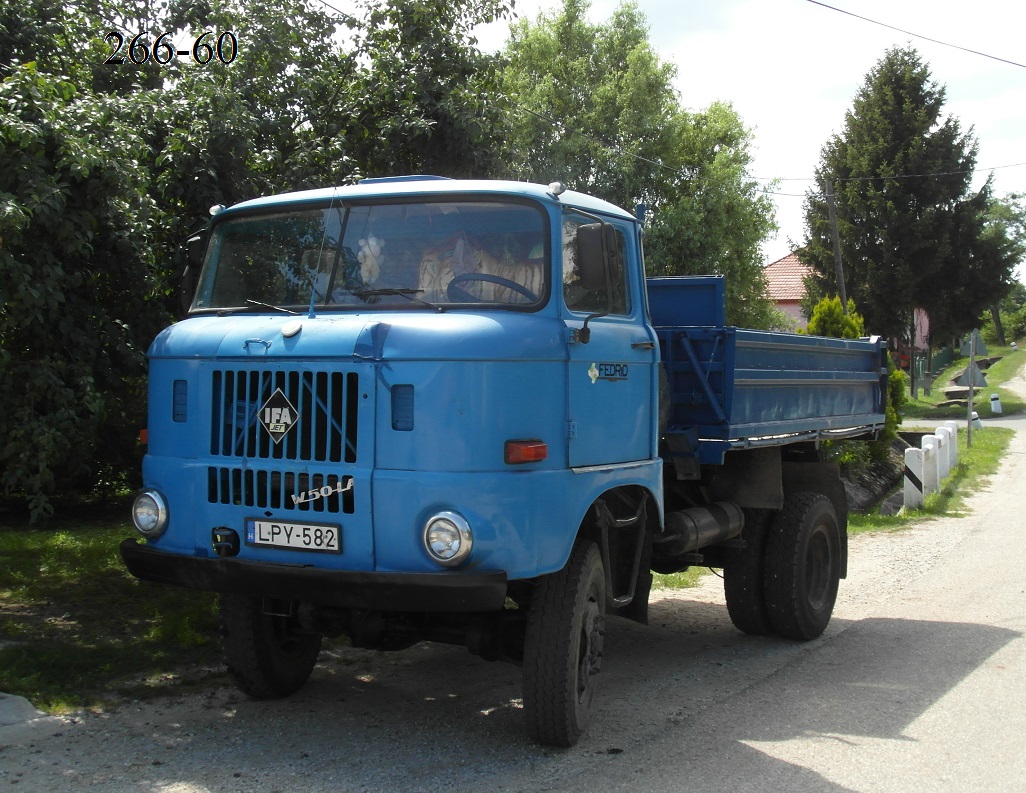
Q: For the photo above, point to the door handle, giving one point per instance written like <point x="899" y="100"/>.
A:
<point x="643" y="345"/>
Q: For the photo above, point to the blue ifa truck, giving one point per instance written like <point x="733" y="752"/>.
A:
<point x="421" y="409"/>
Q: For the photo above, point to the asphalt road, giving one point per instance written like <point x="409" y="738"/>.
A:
<point x="917" y="685"/>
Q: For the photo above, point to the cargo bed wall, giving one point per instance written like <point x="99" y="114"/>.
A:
<point x="730" y="388"/>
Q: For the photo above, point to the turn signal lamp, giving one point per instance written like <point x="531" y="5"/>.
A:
<point x="525" y="452"/>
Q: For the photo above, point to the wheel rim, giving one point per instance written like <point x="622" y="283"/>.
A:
<point x="817" y="568"/>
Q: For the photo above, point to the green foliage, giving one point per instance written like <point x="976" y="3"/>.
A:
<point x="897" y="397"/>
<point x="912" y="234"/>
<point x="427" y="101"/>
<point x="595" y="107"/>
<point x="830" y="319"/>
<point x="1005" y="231"/>
<point x="104" y="170"/>
<point x="74" y="266"/>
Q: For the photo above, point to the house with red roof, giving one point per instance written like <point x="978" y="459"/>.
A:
<point x="786" y="285"/>
<point x="785" y="279"/>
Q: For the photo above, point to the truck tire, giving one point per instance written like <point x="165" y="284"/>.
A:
<point x="802" y="566"/>
<point x="267" y="655"/>
<point x="563" y="648"/>
<point x="743" y="580"/>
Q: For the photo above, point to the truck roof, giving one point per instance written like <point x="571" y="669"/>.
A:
<point x="397" y="187"/>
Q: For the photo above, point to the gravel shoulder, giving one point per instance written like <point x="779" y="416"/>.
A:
<point x="929" y="624"/>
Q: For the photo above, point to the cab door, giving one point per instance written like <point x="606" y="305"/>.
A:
<point x="612" y="363"/>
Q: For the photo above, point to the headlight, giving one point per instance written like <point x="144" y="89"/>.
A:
<point x="149" y="513"/>
<point x="448" y="539"/>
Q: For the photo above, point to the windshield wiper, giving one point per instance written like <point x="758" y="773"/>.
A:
<point x="224" y="312"/>
<point x="409" y="294"/>
<point x="273" y="308"/>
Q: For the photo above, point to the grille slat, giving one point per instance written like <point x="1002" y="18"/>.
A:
<point x="324" y="428"/>
<point x="281" y="490"/>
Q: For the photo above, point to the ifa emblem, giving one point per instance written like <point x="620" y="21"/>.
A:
<point x="278" y="415"/>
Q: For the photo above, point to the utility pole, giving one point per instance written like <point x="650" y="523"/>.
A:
<point x="972" y="390"/>
<point x="832" y="214"/>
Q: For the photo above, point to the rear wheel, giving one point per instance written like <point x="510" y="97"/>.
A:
<point x="743" y="578"/>
<point x="802" y="568"/>
<point x="563" y="648"/>
<point x="268" y="655"/>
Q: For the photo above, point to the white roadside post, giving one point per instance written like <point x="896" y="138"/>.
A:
<point x="913" y="478"/>
<point x="953" y="449"/>
<point x="943" y="453"/>
<point x="931" y="483"/>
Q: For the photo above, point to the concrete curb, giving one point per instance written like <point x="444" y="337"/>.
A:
<point x="21" y="722"/>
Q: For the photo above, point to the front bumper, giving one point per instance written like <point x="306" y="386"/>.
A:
<point x="450" y="591"/>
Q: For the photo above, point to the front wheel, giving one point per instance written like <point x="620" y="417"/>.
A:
<point x="563" y="648"/>
<point x="268" y="655"/>
<point x="802" y="566"/>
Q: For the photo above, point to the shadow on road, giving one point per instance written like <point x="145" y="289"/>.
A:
<point x="687" y="687"/>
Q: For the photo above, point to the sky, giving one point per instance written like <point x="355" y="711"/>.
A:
<point x="791" y="69"/>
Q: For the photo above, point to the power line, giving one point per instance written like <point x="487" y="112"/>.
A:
<point x="917" y="35"/>
<point x="893" y="176"/>
<point x="614" y="148"/>
<point x="898" y="176"/>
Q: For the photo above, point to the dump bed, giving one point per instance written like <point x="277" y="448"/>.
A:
<point x="731" y="388"/>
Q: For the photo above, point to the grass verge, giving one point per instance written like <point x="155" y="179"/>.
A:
<point x="682" y="580"/>
<point x="77" y="631"/>
<point x="928" y="407"/>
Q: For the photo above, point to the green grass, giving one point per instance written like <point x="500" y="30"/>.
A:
<point x="927" y="406"/>
<point x="682" y="580"/>
<point x="76" y="630"/>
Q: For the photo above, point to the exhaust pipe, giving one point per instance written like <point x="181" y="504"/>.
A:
<point x="696" y="527"/>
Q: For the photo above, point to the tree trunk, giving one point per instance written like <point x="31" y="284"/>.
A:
<point x="912" y="357"/>
<point x="998" y="328"/>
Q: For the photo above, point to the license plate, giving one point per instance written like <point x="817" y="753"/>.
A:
<point x="296" y="536"/>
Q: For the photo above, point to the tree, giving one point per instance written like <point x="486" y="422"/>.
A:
<point x="1004" y="238"/>
<point x="594" y="106"/>
<point x="406" y="92"/>
<point x="74" y="265"/>
<point x="427" y="101"/>
<point x="104" y="169"/>
<point x="911" y="231"/>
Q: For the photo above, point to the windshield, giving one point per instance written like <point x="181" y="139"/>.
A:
<point x="394" y="255"/>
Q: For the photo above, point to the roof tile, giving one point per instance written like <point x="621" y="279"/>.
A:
<point x="785" y="278"/>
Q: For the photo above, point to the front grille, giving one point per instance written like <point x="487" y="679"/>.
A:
<point x="280" y="490"/>
<point x="324" y="428"/>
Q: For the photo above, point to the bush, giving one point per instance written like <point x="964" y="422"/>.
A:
<point x="829" y="319"/>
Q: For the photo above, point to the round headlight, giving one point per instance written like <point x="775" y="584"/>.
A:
<point x="149" y="513"/>
<point x="448" y="539"/>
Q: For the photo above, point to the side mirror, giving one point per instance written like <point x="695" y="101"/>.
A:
<point x="598" y="256"/>
<point x="191" y="258"/>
